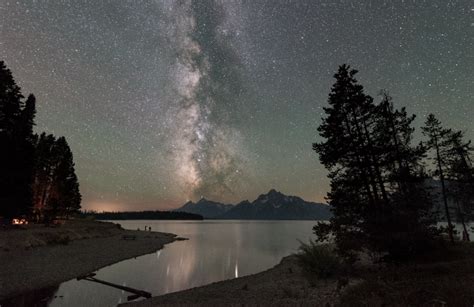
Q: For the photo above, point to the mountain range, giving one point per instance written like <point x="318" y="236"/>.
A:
<point x="271" y="206"/>
<point x="207" y="208"/>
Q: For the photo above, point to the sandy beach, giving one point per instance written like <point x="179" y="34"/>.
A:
<point x="40" y="257"/>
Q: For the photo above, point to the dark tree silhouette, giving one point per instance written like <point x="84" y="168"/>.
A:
<point x="355" y="190"/>
<point x="143" y="215"/>
<point x="43" y="175"/>
<point x="16" y="143"/>
<point x="36" y="173"/>
<point x="68" y="195"/>
<point x="410" y="219"/>
<point x="56" y="189"/>
<point x="438" y="142"/>
<point x="460" y="177"/>
<point x="377" y="193"/>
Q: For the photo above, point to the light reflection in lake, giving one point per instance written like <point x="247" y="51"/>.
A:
<point x="216" y="250"/>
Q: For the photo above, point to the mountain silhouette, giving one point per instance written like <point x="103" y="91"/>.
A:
<point x="207" y="208"/>
<point x="271" y="206"/>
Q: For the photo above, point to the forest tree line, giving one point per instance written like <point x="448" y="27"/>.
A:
<point x="37" y="177"/>
<point x="383" y="187"/>
<point x="142" y="215"/>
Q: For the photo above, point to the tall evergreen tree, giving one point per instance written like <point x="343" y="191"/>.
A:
<point x="27" y="119"/>
<point x="10" y="102"/>
<point x="355" y="189"/>
<point x="460" y="176"/>
<point x="36" y="173"/>
<point x="69" y="197"/>
<point x="56" y="188"/>
<point x="376" y="175"/>
<point x="45" y="156"/>
<point x="411" y="220"/>
<point x="16" y="137"/>
<point x="437" y="142"/>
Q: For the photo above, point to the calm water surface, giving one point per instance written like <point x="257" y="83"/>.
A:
<point x="216" y="250"/>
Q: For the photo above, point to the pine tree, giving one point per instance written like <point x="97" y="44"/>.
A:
<point x="10" y="101"/>
<point x="377" y="192"/>
<point x="357" y="190"/>
<point x="56" y="188"/>
<point x="16" y="137"/>
<point x="460" y="176"/>
<point x="437" y="142"/>
<point x="411" y="221"/>
<point x="36" y="173"/>
<point x="69" y="197"/>
<point x="27" y="119"/>
<point x="43" y="175"/>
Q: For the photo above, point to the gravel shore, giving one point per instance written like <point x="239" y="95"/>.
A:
<point x="283" y="285"/>
<point x="30" y="262"/>
<point x="443" y="277"/>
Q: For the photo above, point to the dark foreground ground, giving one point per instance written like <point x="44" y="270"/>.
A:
<point x="445" y="278"/>
<point x="283" y="285"/>
<point x="38" y="257"/>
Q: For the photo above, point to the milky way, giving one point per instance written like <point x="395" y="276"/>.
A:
<point x="206" y="150"/>
<point x="166" y="101"/>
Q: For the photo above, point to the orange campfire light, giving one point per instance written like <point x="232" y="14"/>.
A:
<point x="19" y="222"/>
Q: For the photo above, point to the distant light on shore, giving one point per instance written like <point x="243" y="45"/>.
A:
<point x="107" y="206"/>
<point x="19" y="222"/>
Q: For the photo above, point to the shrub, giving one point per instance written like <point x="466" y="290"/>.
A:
<point x="319" y="259"/>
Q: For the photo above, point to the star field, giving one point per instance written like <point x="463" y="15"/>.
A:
<point x="165" y="101"/>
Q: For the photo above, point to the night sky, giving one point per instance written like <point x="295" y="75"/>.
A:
<point x="166" y="101"/>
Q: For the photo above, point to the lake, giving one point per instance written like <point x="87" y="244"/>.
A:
<point x="216" y="250"/>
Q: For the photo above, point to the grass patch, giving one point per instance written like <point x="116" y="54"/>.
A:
<point x="319" y="259"/>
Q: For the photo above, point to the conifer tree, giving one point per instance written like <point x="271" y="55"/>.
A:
<point x="36" y="173"/>
<point x="10" y="102"/>
<point x="45" y="156"/>
<point x="16" y="137"/>
<point x="437" y="142"/>
<point x="411" y="221"/>
<point x="460" y="176"/>
<point x="377" y="193"/>
<point x="355" y="189"/>
<point x="69" y="197"/>
<point x="56" y="188"/>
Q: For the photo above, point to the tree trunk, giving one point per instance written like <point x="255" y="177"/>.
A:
<point x="465" y="236"/>
<point x="443" y="189"/>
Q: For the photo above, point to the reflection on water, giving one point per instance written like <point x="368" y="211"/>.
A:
<point x="216" y="250"/>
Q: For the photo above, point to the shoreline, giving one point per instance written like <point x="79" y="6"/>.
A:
<point x="285" y="284"/>
<point x="443" y="277"/>
<point x="44" y="258"/>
